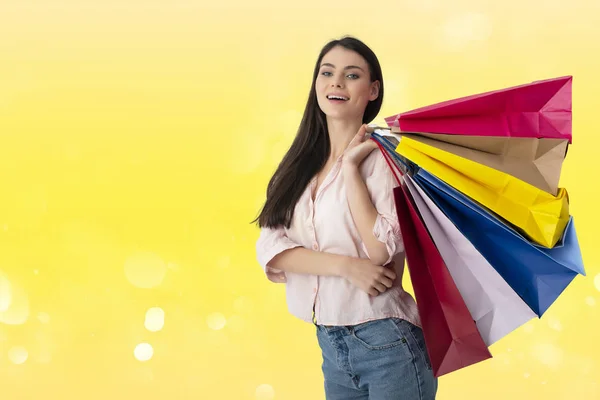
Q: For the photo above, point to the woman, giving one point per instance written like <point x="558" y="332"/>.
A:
<point x="329" y="231"/>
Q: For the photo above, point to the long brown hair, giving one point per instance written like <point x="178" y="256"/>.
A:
<point x="309" y="150"/>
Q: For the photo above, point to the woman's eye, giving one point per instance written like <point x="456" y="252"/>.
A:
<point x="328" y="73"/>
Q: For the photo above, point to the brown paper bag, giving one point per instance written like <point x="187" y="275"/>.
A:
<point x="532" y="160"/>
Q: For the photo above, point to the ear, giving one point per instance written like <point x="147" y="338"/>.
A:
<point x="374" y="91"/>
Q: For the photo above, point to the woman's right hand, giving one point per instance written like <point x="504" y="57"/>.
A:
<point x="370" y="278"/>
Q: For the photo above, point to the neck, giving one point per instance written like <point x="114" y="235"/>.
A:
<point x="341" y="133"/>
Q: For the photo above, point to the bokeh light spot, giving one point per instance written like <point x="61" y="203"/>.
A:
<point x="590" y="301"/>
<point x="597" y="282"/>
<point x="145" y="270"/>
<point x="43" y="317"/>
<point x="155" y="319"/>
<point x="554" y="323"/>
<point x="143" y="352"/>
<point x="548" y="354"/>
<point x="5" y="292"/>
<point x="18" y="354"/>
<point x="265" y="392"/>
<point x="216" y="321"/>
<point x="17" y="311"/>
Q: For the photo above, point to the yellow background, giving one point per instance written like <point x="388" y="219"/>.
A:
<point x="136" y="142"/>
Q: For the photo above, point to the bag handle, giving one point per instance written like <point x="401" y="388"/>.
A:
<point x="394" y="168"/>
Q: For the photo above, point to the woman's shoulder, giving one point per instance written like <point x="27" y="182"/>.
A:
<point x="374" y="162"/>
<point x="376" y="170"/>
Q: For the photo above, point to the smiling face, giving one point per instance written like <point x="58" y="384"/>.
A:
<point x="343" y="85"/>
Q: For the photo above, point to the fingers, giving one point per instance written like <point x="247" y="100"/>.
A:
<point x="370" y="144"/>
<point x="382" y="283"/>
<point x="378" y="280"/>
<point x="380" y="287"/>
<point x="362" y="131"/>
<point x="389" y="273"/>
<point x="376" y="289"/>
<point x="387" y="282"/>
<point x="360" y="135"/>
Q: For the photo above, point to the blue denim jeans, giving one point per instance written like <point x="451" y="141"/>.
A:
<point x="385" y="359"/>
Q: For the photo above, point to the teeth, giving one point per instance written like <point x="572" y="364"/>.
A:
<point x="337" y="97"/>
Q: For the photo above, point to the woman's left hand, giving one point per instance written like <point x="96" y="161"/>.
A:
<point x="359" y="148"/>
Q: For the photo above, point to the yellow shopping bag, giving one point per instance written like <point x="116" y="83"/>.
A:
<point x="539" y="215"/>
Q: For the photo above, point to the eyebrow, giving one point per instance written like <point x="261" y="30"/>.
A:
<point x="345" y="68"/>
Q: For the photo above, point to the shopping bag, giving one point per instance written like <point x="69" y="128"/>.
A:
<point x="494" y="306"/>
<point x="537" y="274"/>
<point x="451" y="336"/>
<point x="534" y="161"/>
<point x="541" y="109"/>
<point x="537" y="214"/>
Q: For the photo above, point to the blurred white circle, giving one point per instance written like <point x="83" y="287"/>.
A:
<point x="548" y="354"/>
<point x="265" y="392"/>
<point x="143" y="352"/>
<point x="590" y="301"/>
<point x="17" y="312"/>
<point x="5" y="292"/>
<point x="216" y="321"/>
<point x="18" y="354"/>
<point x="155" y="319"/>
<point x="597" y="282"/>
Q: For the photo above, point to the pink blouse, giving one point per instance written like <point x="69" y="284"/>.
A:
<point x="327" y="225"/>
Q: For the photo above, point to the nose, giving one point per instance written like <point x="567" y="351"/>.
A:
<point x="337" y="82"/>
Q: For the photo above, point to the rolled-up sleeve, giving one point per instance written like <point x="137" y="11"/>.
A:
<point x="380" y="183"/>
<point x="270" y="243"/>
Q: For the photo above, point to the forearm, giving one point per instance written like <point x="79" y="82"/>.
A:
<point x="364" y="214"/>
<point x="304" y="261"/>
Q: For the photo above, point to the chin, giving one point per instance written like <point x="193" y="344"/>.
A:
<point x="337" y="114"/>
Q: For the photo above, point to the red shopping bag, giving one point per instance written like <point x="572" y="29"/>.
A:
<point x="451" y="336"/>
<point x="541" y="109"/>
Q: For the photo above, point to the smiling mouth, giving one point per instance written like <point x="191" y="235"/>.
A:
<point x="339" y="98"/>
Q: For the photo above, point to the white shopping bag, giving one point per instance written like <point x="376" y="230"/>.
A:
<point x="495" y="307"/>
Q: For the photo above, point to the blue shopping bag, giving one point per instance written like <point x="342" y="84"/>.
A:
<point x="537" y="274"/>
